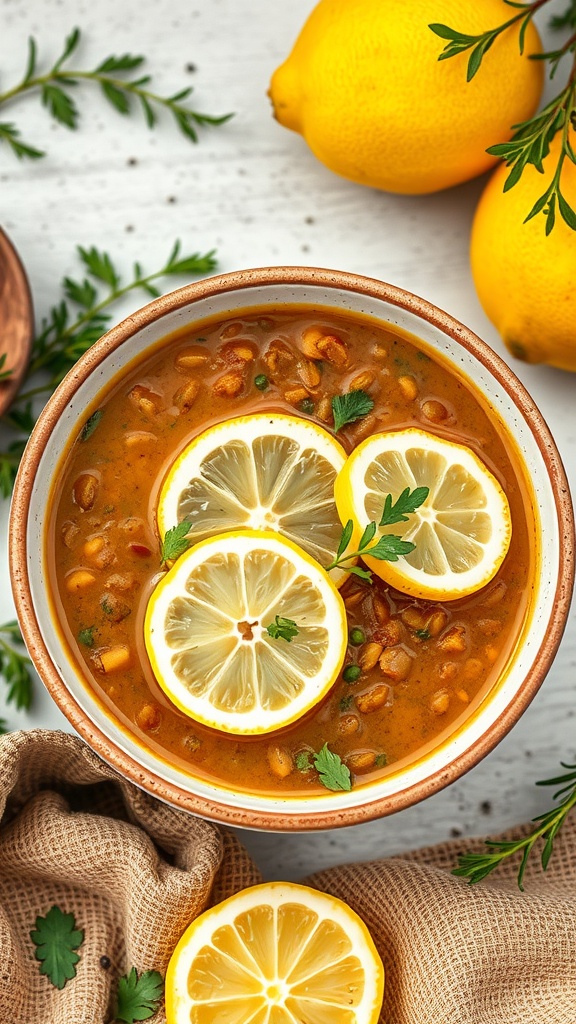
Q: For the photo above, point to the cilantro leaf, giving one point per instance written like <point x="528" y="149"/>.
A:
<point x="303" y="761"/>
<point x="175" y="542"/>
<point x="282" y="628"/>
<point x="90" y="425"/>
<point x="350" y="407"/>
<point x="406" y="504"/>
<point x="389" y="548"/>
<point x="56" y="938"/>
<point x="345" y="538"/>
<point x="139" y="996"/>
<point x="333" y="773"/>
<point x="86" y="636"/>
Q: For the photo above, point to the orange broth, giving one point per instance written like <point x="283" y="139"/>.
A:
<point x="102" y="524"/>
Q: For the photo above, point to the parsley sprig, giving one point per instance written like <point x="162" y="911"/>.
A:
<point x="139" y="996"/>
<point x="332" y="772"/>
<point x="56" y="939"/>
<point x="350" y="407"/>
<point x="530" y="143"/>
<point x="282" y="629"/>
<point x="388" y="547"/>
<point x="15" y="667"/>
<point x="476" y="866"/>
<point x="121" y="83"/>
<point x="175" y="543"/>
<point x="73" y="325"/>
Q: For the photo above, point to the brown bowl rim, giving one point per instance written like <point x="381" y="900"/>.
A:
<point x="218" y="810"/>
<point x="10" y="259"/>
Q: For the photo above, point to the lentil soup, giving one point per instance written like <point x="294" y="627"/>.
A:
<point x="414" y="670"/>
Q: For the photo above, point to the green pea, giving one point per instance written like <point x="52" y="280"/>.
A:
<point x="357" y="637"/>
<point x="351" y="673"/>
<point x="261" y="382"/>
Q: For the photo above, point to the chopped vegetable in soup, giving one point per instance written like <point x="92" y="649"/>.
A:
<point x="412" y="669"/>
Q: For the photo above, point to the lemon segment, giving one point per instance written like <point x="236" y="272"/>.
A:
<point x="261" y="472"/>
<point x="461" y="532"/>
<point x="280" y="953"/>
<point x="207" y="639"/>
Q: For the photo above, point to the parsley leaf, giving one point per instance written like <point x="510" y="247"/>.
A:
<point x="406" y="504"/>
<point x="282" y="628"/>
<point x="175" y="542"/>
<point x="86" y="636"/>
<point x="139" y="996"/>
<point x="334" y="774"/>
<point x="350" y="407"/>
<point x="389" y="548"/>
<point x="56" y="938"/>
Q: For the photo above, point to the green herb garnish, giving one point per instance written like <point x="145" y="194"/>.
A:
<point x="307" y="406"/>
<point x="4" y="374"/>
<point x="90" y="425"/>
<point x="118" y="85"/>
<point x="68" y="332"/>
<point x="346" y="702"/>
<point x="476" y="866"/>
<point x="388" y="547"/>
<point x="381" y="761"/>
<point x="282" y="628"/>
<point x="261" y="382"/>
<point x="56" y="939"/>
<point x="531" y="140"/>
<point x="15" y="666"/>
<point x="332" y="771"/>
<point x="86" y="636"/>
<point x="139" y="996"/>
<point x="176" y="542"/>
<point x="422" y="634"/>
<point x="302" y="761"/>
<point x="350" y="407"/>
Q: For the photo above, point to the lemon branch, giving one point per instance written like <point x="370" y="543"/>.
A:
<point x="531" y="140"/>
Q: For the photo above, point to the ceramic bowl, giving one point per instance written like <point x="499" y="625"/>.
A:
<point x="508" y="697"/>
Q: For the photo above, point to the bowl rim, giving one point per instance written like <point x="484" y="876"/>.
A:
<point x="274" y="819"/>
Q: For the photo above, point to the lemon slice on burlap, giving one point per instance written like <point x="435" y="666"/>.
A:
<point x="277" y="953"/>
<point x="260" y="472"/>
<point x="246" y="632"/>
<point x="462" y="530"/>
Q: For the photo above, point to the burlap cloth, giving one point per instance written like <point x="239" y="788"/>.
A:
<point x="135" y="872"/>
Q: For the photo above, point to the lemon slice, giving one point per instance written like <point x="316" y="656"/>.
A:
<point x="207" y="638"/>
<point x="277" y="953"/>
<point x="261" y="472"/>
<point x="461" y="532"/>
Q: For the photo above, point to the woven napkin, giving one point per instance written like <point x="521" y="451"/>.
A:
<point x="135" y="872"/>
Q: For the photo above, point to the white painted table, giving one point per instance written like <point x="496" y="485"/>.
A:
<point x="253" y="190"/>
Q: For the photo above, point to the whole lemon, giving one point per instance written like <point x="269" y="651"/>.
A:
<point x="364" y="86"/>
<point x="525" y="279"/>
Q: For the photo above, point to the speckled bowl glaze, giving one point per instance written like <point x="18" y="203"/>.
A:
<point x="274" y="287"/>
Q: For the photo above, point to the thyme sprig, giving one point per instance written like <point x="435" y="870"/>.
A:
<point x="531" y="140"/>
<point x="476" y="866"/>
<point x="72" y="326"/>
<point x="118" y="86"/>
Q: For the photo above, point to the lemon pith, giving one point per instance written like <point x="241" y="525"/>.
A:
<point x="281" y="949"/>
<point x="461" y="532"/>
<point x="264" y="472"/>
<point x="364" y="86"/>
<point x="207" y="640"/>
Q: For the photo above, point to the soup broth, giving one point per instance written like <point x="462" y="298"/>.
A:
<point x="422" y="667"/>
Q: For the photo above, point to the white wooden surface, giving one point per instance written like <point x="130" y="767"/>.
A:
<point x="253" y="190"/>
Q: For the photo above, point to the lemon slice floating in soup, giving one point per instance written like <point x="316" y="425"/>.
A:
<point x="462" y="530"/>
<point x="246" y="632"/>
<point x="260" y="472"/>
<point x="280" y="953"/>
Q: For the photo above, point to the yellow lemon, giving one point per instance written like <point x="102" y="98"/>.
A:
<point x="364" y="86"/>
<point x="462" y="530"/>
<point x="267" y="471"/>
<point x="276" y="953"/>
<point x="246" y="632"/>
<point x="525" y="279"/>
